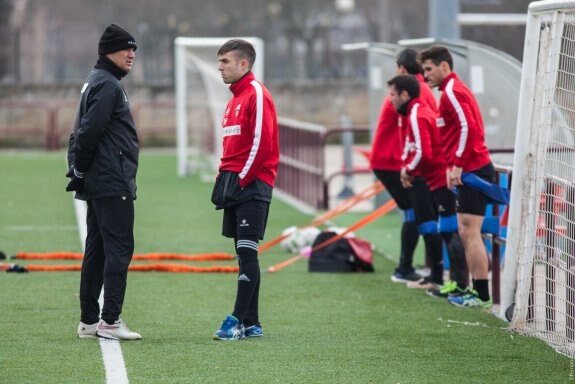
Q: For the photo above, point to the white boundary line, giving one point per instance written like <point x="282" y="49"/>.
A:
<point x="113" y="359"/>
<point x="114" y="365"/>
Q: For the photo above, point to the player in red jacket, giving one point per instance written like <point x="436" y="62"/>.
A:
<point x="385" y="161"/>
<point x="462" y="133"/>
<point x="423" y="157"/>
<point x="247" y="173"/>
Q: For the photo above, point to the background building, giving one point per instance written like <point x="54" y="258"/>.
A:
<point x="54" y="41"/>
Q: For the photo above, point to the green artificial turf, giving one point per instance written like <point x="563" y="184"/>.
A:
<point x="319" y="328"/>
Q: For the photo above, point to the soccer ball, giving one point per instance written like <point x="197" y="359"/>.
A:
<point x="287" y="243"/>
<point x="298" y="238"/>
<point x="309" y="234"/>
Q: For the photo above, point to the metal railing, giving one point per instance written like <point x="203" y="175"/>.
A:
<point x="302" y="170"/>
<point x="498" y="240"/>
<point x="302" y="163"/>
<point x="347" y="170"/>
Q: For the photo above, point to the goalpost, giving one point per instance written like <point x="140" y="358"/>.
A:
<point x="201" y="97"/>
<point x="539" y="273"/>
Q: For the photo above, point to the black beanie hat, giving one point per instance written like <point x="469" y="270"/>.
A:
<point x="115" y="38"/>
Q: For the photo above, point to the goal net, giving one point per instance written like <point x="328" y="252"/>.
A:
<point x="539" y="273"/>
<point x="201" y="97"/>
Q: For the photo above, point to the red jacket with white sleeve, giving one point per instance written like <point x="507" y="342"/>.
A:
<point x="250" y="133"/>
<point x="423" y="151"/>
<point x="461" y="126"/>
<point x="388" y="140"/>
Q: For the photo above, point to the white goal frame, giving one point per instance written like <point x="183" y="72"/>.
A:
<point x="182" y="46"/>
<point x="537" y="101"/>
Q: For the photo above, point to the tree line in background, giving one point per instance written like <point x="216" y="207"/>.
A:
<point x="56" y="41"/>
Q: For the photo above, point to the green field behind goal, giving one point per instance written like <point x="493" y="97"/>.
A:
<point x="319" y="328"/>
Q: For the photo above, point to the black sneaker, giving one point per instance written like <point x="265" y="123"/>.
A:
<point x="399" y="277"/>
<point x="434" y="292"/>
<point x="450" y="288"/>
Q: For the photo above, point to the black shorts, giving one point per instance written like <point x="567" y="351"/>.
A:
<point x="470" y="200"/>
<point x="392" y="182"/>
<point x="422" y="201"/>
<point x="246" y="219"/>
<point x="444" y="201"/>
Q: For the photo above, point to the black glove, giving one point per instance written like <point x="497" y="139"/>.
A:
<point x="76" y="183"/>
<point x="17" y="269"/>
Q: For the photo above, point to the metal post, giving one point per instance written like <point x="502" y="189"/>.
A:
<point x="443" y="19"/>
<point x="181" y="112"/>
<point x="347" y="143"/>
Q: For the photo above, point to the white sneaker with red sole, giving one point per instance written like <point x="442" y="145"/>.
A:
<point x="116" y="331"/>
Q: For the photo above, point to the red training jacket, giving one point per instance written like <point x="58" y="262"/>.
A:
<point x="250" y="133"/>
<point x="387" y="146"/>
<point x="461" y="126"/>
<point x="423" y="151"/>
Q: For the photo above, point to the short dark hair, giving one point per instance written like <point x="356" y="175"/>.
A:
<point x="244" y="49"/>
<point x="437" y="54"/>
<point x="408" y="59"/>
<point x="408" y="83"/>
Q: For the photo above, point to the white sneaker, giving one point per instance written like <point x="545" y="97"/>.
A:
<point x="116" y="331"/>
<point x="87" y="331"/>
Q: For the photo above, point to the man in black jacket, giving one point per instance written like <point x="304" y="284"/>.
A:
<point x="103" y="161"/>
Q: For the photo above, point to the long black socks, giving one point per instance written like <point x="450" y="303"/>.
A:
<point x="247" y="297"/>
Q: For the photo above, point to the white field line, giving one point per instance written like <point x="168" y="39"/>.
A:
<point x="38" y="228"/>
<point x="113" y="359"/>
<point x="111" y="350"/>
<point x="81" y="212"/>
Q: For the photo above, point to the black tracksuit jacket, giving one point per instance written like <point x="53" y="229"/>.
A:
<point x="104" y="144"/>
